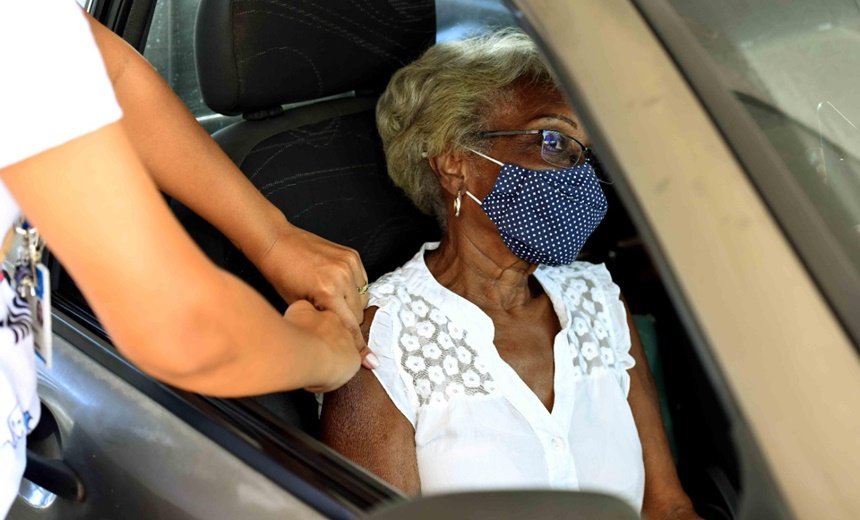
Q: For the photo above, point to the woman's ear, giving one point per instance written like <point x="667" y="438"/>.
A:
<point x="448" y="168"/>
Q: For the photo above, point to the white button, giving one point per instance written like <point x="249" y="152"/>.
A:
<point x="557" y="443"/>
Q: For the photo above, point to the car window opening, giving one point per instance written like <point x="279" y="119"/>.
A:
<point x="295" y="163"/>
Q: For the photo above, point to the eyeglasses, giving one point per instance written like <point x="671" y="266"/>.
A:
<point x="557" y="149"/>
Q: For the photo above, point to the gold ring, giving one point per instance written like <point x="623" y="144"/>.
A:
<point x="363" y="288"/>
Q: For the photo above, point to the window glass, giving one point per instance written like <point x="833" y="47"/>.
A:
<point x="457" y="19"/>
<point x="795" y="67"/>
<point x="170" y="49"/>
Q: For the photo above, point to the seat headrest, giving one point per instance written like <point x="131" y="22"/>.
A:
<point x="256" y="55"/>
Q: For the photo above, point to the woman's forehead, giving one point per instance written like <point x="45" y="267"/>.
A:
<point x="530" y="105"/>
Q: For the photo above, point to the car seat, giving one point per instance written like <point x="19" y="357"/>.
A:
<point x="305" y="76"/>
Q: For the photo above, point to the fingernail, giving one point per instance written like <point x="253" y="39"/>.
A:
<point x="372" y="360"/>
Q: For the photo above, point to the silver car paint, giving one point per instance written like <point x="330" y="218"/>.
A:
<point x="138" y="460"/>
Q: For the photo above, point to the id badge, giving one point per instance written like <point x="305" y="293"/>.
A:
<point x="40" y="314"/>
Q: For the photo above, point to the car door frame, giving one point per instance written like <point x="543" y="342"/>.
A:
<point x="753" y="323"/>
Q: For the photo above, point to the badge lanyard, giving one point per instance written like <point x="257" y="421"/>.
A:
<point x="31" y="281"/>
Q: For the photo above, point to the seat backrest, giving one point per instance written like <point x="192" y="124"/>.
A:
<point x="320" y="162"/>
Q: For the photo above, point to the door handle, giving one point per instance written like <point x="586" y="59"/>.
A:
<point x="45" y="467"/>
<point x="55" y="476"/>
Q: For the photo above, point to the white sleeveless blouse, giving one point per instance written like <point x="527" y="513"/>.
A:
<point x="478" y="426"/>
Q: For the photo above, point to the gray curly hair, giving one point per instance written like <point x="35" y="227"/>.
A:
<point x="441" y="101"/>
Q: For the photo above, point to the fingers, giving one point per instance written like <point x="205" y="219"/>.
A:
<point x="354" y="301"/>
<point x="368" y="358"/>
<point x="361" y="280"/>
<point x="339" y="294"/>
<point x="339" y="355"/>
<point x="349" y="321"/>
<point x="358" y="299"/>
<point x="319" y="270"/>
<point x="344" y="279"/>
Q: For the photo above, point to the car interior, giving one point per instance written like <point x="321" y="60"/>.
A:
<point x="321" y="162"/>
<point x="305" y="81"/>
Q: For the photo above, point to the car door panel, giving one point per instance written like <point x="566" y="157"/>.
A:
<point x="135" y="458"/>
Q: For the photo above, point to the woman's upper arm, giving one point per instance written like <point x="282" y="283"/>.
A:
<point x="361" y="422"/>
<point x="664" y="495"/>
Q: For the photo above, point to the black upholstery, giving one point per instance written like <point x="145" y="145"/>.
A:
<point x="321" y="163"/>
<point x="259" y="54"/>
<point x="324" y="167"/>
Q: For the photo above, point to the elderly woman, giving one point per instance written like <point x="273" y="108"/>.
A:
<point x="503" y="362"/>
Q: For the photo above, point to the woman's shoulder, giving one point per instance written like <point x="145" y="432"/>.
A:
<point x="398" y="285"/>
<point x="390" y="288"/>
<point x="588" y="286"/>
<point x="598" y="313"/>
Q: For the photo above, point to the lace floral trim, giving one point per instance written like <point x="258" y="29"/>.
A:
<point x="598" y="337"/>
<point x="437" y="361"/>
<point x="434" y="350"/>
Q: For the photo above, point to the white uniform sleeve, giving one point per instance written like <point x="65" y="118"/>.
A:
<point x="55" y="87"/>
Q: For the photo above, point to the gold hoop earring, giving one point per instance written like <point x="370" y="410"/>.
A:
<point x="457" y="201"/>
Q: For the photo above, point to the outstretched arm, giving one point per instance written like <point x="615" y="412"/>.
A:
<point x="360" y="421"/>
<point x="664" y="497"/>
<point x="187" y="164"/>
<point x="166" y="306"/>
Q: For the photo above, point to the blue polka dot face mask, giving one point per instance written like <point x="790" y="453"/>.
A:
<point x="544" y="216"/>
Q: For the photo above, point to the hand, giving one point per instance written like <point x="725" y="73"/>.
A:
<point x="304" y="266"/>
<point x="336" y="356"/>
